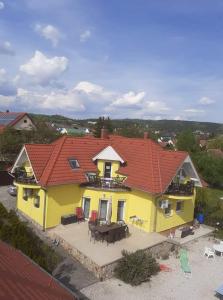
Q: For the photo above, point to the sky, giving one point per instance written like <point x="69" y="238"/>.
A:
<point x="147" y="59"/>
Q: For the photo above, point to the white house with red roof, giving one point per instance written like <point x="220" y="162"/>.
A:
<point x="118" y="178"/>
<point x="16" y="120"/>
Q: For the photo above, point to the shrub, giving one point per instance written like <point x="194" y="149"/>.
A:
<point x="20" y="236"/>
<point x="135" y="268"/>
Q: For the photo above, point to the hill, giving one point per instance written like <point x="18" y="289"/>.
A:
<point x="166" y="126"/>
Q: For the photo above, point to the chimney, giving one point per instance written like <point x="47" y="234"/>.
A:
<point x="104" y="133"/>
<point x="146" y="135"/>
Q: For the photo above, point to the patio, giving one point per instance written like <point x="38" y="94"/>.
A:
<point x="76" y="236"/>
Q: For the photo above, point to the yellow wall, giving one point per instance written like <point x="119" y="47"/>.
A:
<point x="27" y="206"/>
<point x="115" y="167"/>
<point x="61" y="200"/>
<point x="175" y="219"/>
<point x="28" y="169"/>
<point x="136" y="204"/>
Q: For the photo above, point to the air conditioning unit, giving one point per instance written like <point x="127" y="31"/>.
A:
<point x="164" y="204"/>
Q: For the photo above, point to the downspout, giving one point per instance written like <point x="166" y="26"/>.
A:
<point x="44" y="209"/>
<point x="156" y="198"/>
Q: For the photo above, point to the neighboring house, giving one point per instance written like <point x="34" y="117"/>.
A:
<point x="145" y="185"/>
<point x="16" y="120"/>
<point x="216" y="152"/>
<point x="21" y="278"/>
<point x="74" y="131"/>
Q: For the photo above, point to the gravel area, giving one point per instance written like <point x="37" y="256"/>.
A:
<point x="206" y="276"/>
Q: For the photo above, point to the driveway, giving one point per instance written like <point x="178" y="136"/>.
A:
<point x="7" y="200"/>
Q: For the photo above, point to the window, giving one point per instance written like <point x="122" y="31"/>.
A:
<point x="168" y="210"/>
<point x="107" y="171"/>
<point x="27" y="193"/>
<point x="25" y="121"/>
<point x="179" y="206"/>
<point x="37" y="201"/>
<point x="74" y="163"/>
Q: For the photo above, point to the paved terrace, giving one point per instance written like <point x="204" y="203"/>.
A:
<point x="77" y="236"/>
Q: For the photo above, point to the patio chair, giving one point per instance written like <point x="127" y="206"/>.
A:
<point x="91" y="226"/>
<point x="94" y="216"/>
<point x="80" y="214"/>
<point x="95" y="235"/>
<point x="208" y="252"/>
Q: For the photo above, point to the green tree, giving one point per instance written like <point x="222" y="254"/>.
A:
<point x="186" y="142"/>
<point x="102" y="122"/>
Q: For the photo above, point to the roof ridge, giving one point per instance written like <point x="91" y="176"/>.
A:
<point x="50" y="164"/>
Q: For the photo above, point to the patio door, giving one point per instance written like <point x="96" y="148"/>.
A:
<point x="103" y="209"/>
<point x="107" y="171"/>
<point x="86" y="207"/>
<point x="120" y="211"/>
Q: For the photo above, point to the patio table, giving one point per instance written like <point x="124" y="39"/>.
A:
<point x="106" y="228"/>
<point x="218" y="248"/>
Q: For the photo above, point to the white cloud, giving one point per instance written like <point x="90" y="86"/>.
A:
<point x="156" y="106"/>
<point x="49" y="32"/>
<point x="6" y="48"/>
<point x="93" y="90"/>
<point x="44" y="70"/>
<point x="129" y="99"/>
<point x="59" y="100"/>
<point x="2" y="5"/>
<point x="194" y="111"/>
<point x="206" y="101"/>
<point x="84" y="36"/>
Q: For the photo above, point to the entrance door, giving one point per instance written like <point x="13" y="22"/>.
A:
<point x="120" y="212"/>
<point x="103" y="209"/>
<point x="107" y="172"/>
<point x="86" y="207"/>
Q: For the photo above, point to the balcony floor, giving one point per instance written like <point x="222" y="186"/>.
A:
<point x="76" y="235"/>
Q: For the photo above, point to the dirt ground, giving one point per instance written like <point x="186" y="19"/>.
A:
<point x="206" y="276"/>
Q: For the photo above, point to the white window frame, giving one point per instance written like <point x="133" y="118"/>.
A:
<point x="99" y="208"/>
<point x="109" y="178"/>
<point x="83" y="203"/>
<point x="171" y="210"/>
<point x="123" y="200"/>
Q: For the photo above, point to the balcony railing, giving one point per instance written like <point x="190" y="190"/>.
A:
<point x="105" y="183"/>
<point x="21" y="176"/>
<point x="181" y="189"/>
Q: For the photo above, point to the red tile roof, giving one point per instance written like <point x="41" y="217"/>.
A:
<point x="147" y="166"/>
<point x="20" y="278"/>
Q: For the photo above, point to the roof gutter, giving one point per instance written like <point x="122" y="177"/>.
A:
<point x="44" y="209"/>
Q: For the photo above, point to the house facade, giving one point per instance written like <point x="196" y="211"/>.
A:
<point x="16" y="120"/>
<point x="141" y="183"/>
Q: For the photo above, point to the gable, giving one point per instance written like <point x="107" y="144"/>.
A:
<point x="108" y="154"/>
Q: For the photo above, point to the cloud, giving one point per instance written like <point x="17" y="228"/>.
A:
<point x="206" y="101"/>
<point x="129" y="99"/>
<point x="84" y="36"/>
<point x="7" y="87"/>
<point x="93" y="90"/>
<point x="6" y="48"/>
<point x="43" y="70"/>
<point x="194" y="111"/>
<point x="56" y="100"/>
<point x="49" y="32"/>
<point x="156" y="107"/>
<point x="2" y="5"/>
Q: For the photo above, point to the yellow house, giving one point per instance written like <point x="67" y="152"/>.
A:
<point x="141" y="183"/>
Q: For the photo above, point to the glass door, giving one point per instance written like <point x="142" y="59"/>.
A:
<point x="120" y="211"/>
<point x="86" y="207"/>
<point x="103" y="209"/>
<point x="107" y="172"/>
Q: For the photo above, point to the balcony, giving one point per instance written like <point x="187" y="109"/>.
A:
<point x="99" y="182"/>
<point x="22" y="176"/>
<point x="181" y="189"/>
